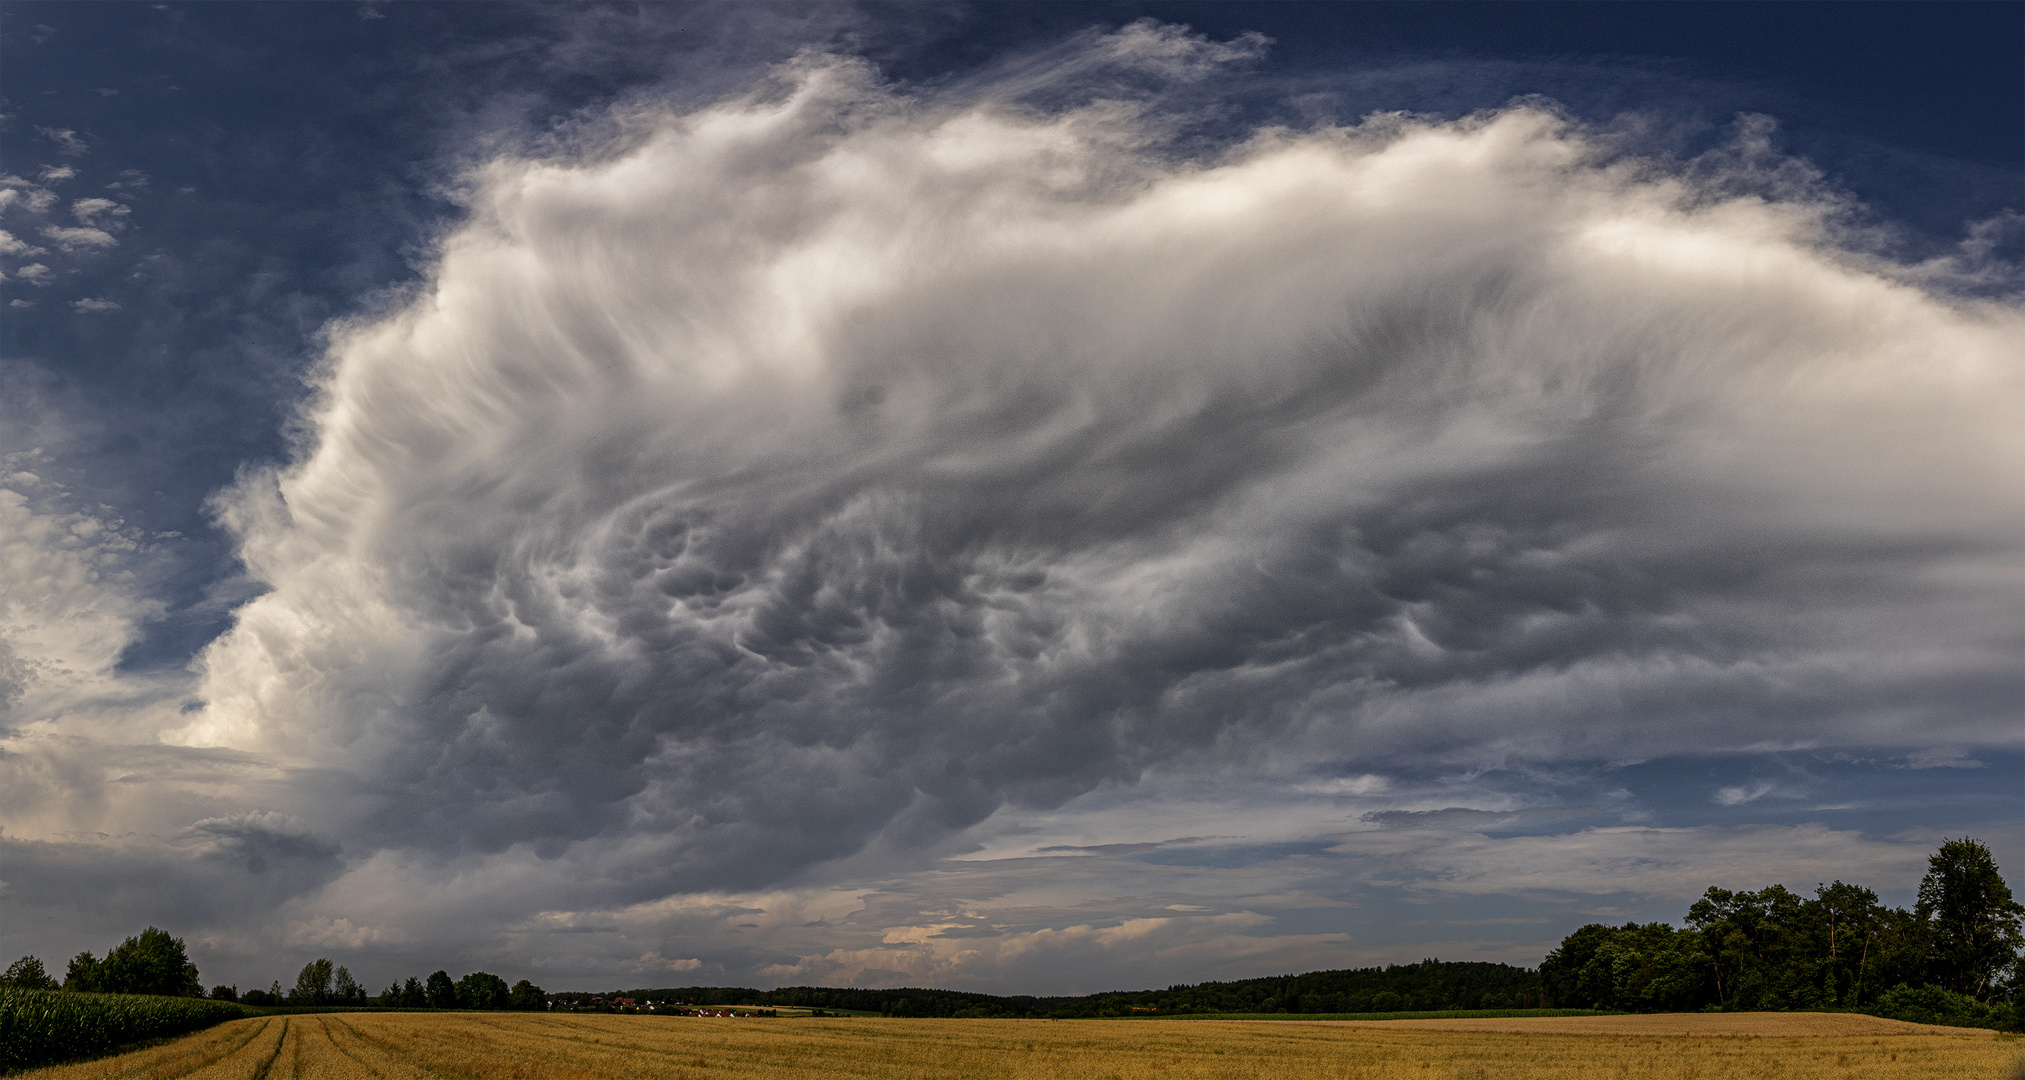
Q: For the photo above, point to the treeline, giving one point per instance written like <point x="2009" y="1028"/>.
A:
<point x="1954" y="958"/>
<point x="1430" y="985"/>
<point x="150" y="962"/>
<point x="319" y="984"/>
<point x="478" y="990"/>
<point x="154" y="963"/>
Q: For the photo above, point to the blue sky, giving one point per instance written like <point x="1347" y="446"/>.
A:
<point x="1030" y="498"/>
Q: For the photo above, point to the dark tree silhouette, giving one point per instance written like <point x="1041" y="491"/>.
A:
<point x="346" y="990"/>
<point x="442" y="992"/>
<point x="27" y="974"/>
<point x="1974" y="922"/>
<point x="313" y="984"/>
<point x="526" y="996"/>
<point x="482" y="990"/>
<point x="150" y="962"/>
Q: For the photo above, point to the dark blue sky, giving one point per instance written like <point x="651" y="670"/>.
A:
<point x="1593" y="627"/>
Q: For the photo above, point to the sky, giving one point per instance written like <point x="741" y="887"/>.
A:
<point x="1023" y="498"/>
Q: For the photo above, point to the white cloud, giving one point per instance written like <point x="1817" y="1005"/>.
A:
<point x="65" y="614"/>
<point x="655" y="963"/>
<point x="324" y="933"/>
<point x="36" y="274"/>
<point x="79" y="239"/>
<point x="1942" y="757"/>
<point x="9" y="245"/>
<point x="1744" y="793"/>
<point x="99" y="213"/>
<point x="65" y="138"/>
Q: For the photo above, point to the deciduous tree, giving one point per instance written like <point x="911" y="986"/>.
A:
<point x="313" y="984"/>
<point x="442" y="991"/>
<point x="1973" y="919"/>
<point x="483" y="990"/>
<point x="151" y="962"/>
<point x="27" y="974"/>
<point x="526" y="996"/>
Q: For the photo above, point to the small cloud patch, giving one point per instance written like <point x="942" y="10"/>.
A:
<point x="1942" y="757"/>
<point x="65" y="138"/>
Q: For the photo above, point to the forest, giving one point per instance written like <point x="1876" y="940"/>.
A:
<point x="1953" y="958"/>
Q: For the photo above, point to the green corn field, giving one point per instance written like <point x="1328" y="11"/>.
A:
<point x="42" y="1026"/>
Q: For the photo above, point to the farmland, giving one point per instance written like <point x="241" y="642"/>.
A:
<point x="591" y="1047"/>
<point x="42" y="1025"/>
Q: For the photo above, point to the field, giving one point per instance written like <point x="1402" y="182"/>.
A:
<point x="45" y="1025"/>
<point x="592" y="1047"/>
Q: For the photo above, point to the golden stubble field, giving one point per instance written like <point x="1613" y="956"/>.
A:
<point x="340" y="1046"/>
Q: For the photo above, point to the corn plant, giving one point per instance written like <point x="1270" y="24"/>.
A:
<point x="42" y="1026"/>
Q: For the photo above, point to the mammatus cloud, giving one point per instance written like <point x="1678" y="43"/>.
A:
<point x="822" y="473"/>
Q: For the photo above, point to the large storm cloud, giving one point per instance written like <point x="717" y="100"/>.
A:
<point x="826" y="464"/>
<point x="831" y="468"/>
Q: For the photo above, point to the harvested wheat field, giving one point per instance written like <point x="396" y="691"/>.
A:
<point x="345" y="1045"/>
<point x="1773" y="1025"/>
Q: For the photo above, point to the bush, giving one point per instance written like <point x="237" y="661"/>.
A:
<point x="1933" y="1005"/>
<point x="38" y="1027"/>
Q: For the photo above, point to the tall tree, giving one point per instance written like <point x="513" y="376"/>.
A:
<point x="1973" y="921"/>
<point x="152" y="962"/>
<point x="1755" y="942"/>
<point x="1848" y="923"/>
<point x="346" y="990"/>
<point x="313" y="984"/>
<point x="483" y="990"/>
<point x="526" y="996"/>
<point x="442" y="991"/>
<point x="85" y="975"/>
